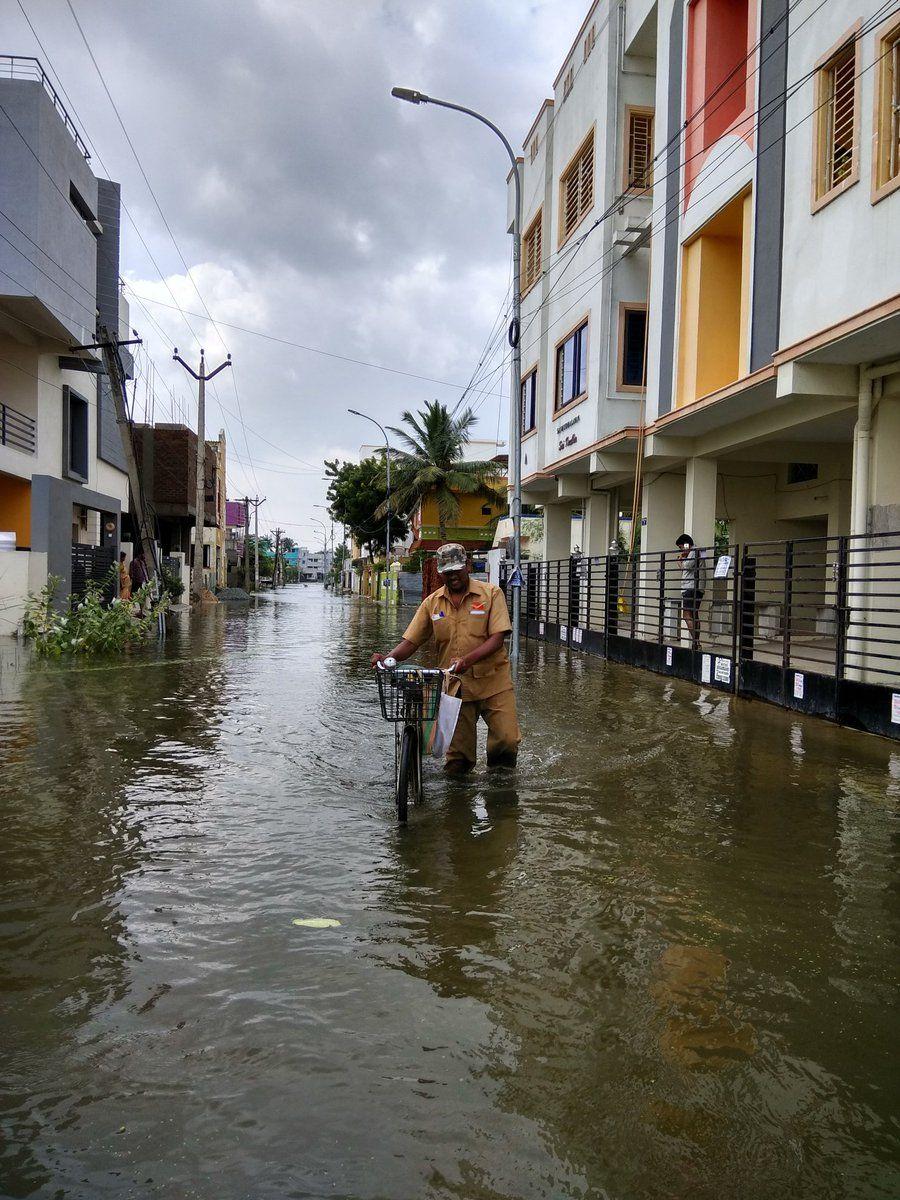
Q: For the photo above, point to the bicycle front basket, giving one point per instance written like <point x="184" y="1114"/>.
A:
<point x="409" y="693"/>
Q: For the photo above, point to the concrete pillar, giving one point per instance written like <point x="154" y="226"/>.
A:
<point x="663" y="513"/>
<point x="597" y="534"/>
<point x="700" y="481"/>
<point x="557" y="531"/>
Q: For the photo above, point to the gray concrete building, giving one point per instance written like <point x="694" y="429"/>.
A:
<point x="63" y="485"/>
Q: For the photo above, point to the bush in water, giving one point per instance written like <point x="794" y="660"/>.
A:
<point x="88" y="624"/>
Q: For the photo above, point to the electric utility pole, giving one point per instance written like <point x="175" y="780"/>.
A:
<point x="256" y="504"/>
<point x="115" y="373"/>
<point x="275" y="567"/>
<point x="247" y="543"/>
<point x="202" y="376"/>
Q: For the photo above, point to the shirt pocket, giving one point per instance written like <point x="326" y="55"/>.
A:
<point x="441" y="629"/>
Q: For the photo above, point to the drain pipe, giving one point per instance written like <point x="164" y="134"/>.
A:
<point x="859" y="516"/>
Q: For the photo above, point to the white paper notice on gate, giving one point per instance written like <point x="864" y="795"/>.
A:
<point x="723" y="566"/>
<point x="723" y="670"/>
<point x="706" y="668"/>
<point x="669" y="656"/>
<point x="799" y="681"/>
<point x="895" y="708"/>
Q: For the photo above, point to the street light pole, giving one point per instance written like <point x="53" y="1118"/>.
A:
<point x="324" y="545"/>
<point x="327" y="567"/>
<point x="387" y="539"/>
<point x="414" y="97"/>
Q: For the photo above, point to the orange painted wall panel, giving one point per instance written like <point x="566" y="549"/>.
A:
<point x="15" y="508"/>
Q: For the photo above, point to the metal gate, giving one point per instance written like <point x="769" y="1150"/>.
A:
<point x="811" y="624"/>
<point x="92" y="563"/>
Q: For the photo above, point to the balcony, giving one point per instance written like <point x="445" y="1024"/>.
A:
<point x="18" y="66"/>
<point x="17" y="430"/>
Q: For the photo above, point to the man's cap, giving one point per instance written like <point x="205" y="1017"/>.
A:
<point x="451" y="557"/>
<point x="685" y="537"/>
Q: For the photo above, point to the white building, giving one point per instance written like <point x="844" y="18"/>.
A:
<point x="736" y="163"/>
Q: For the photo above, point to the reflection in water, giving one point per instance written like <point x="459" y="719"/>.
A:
<point x="657" y="960"/>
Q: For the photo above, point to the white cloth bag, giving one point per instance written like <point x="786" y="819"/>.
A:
<point x="445" y="723"/>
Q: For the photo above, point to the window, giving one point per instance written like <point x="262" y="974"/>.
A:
<point x="75" y="436"/>
<point x="568" y="81"/>
<point x="836" y="133"/>
<point x="639" y="149"/>
<point x="571" y="368"/>
<point x="589" y="42"/>
<point x="529" y="401"/>
<point x="802" y="472"/>
<point x="886" y="161"/>
<point x="486" y="510"/>
<point x="83" y="209"/>
<point x="531" y="253"/>
<point x="577" y="189"/>
<point x="535" y="146"/>
<point x="632" y="347"/>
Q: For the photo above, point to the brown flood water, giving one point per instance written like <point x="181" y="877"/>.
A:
<point x="657" y="961"/>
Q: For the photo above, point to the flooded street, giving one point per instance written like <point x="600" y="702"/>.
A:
<point x="659" y="960"/>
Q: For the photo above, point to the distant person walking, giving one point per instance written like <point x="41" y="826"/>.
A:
<point x="138" y="571"/>
<point x="124" y="579"/>
<point x="693" y="585"/>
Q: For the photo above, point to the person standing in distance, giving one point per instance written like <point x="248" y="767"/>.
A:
<point x="693" y="585"/>
<point x="469" y="621"/>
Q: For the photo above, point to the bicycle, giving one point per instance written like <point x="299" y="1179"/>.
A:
<point x="409" y="697"/>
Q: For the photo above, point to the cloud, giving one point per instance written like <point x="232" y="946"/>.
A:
<point x="308" y="203"/>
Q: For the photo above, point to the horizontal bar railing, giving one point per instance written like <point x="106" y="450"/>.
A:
<point x="19" y="66"/>
<point x="17" y="429"/>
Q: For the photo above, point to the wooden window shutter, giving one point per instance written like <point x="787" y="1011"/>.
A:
<point x="578" y="188"/>
<point x="532" y="253"/>
<point x="640" y="150"/>
<point x="887" y="99"/>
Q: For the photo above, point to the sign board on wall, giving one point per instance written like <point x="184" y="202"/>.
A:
<point x="563" y="633"/>
<point x="799" y="683"/>
<point x="669" y="656"/>
<point x="706" y="668"/>
<point x="723" y="670"/>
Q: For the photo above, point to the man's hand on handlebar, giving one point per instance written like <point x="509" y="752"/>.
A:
<point x="378" y="659"/>
<point x="459" y="667"/>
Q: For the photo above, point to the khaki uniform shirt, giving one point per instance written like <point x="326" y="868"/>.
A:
<point x="456" y="631"/>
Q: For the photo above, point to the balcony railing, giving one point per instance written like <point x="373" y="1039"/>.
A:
<point x="17" y="430"/>
<point x="18" y="66"/>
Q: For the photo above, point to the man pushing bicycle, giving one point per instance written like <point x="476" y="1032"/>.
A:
<point x="469" y="622"/>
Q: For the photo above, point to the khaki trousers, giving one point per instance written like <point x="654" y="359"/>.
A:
<point x="499" y="714"/>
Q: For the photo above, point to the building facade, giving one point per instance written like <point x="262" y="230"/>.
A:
<point x="63" y="483"/>
<point x="711" y="325"/>
<point x="311" y="565"/>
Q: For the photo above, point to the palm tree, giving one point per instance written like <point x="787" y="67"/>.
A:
<point x="432" y="465"/>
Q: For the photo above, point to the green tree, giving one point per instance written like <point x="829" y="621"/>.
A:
<point x="432" y="464"/>
<point x="356" y="493"/>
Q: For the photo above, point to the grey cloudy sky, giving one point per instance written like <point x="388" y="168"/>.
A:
<point x="307" y="202"/>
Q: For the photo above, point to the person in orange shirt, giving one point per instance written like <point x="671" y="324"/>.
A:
<point x="469" y="622"/>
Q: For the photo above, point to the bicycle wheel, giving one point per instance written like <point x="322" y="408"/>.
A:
<point x="407" y="770"/>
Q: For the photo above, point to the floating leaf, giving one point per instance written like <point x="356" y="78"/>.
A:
<point x="316" y="922"/>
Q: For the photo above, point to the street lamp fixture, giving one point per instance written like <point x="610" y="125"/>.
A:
<point x="387" y="458"/>
<point x="409" y="94"/>
<point x="414" y="97"/>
